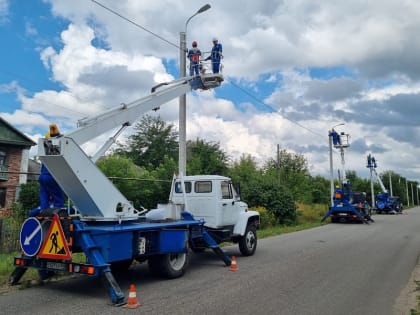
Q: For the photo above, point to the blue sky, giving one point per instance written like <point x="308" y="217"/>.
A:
<point x="292" y="69"/>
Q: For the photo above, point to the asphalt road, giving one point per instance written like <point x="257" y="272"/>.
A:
<point x="334" y="269"/>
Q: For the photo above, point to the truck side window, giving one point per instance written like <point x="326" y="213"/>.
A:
<point x="226" y="190"/>
<point x="178" y="187"/>
<point x="202" y="186"/>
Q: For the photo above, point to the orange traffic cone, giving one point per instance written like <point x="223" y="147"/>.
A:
<point x="233" y="265"/>
<point x="132" y="301"/>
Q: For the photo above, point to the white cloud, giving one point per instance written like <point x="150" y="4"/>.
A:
<point x="104" y="60"/>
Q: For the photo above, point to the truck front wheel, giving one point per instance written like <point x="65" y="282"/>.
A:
<point x="169" y="266"/>
<point x="248" y="242"/>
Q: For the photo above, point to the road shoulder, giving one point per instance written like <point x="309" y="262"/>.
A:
<point x="408" y="298"/>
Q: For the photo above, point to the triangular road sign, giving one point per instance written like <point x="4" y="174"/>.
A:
<point x="55" y="244"/>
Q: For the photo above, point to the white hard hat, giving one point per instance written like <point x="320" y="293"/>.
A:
<point x="214" y="39"/>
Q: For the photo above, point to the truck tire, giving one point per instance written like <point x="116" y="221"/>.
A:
<point x="248" y="242"/>
<point x="169" y="266"/>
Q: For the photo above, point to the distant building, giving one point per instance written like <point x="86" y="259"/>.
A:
<point x="14" y="163"/>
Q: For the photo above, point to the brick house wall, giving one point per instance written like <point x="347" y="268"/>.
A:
<point x="14" y="158"/>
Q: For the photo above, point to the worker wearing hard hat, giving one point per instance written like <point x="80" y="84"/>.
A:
<point x="215" y="55"/>
<point x="50" y="193"/>
<point x="194" y="55"/>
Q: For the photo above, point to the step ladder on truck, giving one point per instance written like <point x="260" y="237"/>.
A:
<point x="106" y="228"/>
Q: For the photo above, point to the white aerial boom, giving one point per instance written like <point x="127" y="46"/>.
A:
<point x="92" y="193"/>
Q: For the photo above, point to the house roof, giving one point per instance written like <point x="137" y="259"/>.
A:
<point x="9" y="135"/>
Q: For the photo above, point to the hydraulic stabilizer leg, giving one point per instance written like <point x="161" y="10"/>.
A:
<point x="216" y="248"/>
<point x="326" y="216"/>
<point x="114" y="290"/>
<point x="210" y="242"/>
<point x="16" y="275"/>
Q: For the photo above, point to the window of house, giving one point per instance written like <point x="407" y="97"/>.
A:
<point x="2" y="197"/>
<point x="2" y="158"/>
<point x="202" y="186"/>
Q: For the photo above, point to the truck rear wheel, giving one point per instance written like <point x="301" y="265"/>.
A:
<point x="248" y="242"/>
<point x="169" y="266"/>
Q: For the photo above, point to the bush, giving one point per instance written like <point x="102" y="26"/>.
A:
<point x="275" y="198"/>
<point x="267" y="218"/>
<point x="310" y="213"/>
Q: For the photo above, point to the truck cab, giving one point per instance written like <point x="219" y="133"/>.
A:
<point x="214" y="200"/>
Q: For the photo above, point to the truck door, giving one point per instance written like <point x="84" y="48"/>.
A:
<point x="228" y="205"/>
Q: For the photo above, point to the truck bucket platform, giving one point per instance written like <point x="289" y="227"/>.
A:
<point x="206" y="81"/>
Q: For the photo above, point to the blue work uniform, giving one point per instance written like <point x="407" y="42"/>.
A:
<point x="194" y="57"/>
<point x="215" y="56"/>
<point x="49" y="192"/>
<point x="335" y="137"/>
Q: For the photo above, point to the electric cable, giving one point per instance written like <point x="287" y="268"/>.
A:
<point x="135" y="24"/>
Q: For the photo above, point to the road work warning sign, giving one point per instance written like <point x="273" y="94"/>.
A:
<point x="55" y="244"/>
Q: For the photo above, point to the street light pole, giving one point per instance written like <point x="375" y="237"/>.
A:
<point x="183" y="98"/>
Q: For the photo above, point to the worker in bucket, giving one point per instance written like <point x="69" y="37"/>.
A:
<point x="215" y="55"/>
<point x="194" y="55"/>
<point x="335" y="137"/>
<point x="50" y="193"/>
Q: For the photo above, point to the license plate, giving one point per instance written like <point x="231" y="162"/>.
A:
<point x="56" y="265"/>
<point x="342" y="214"/>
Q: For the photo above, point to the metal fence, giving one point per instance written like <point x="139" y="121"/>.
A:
<point x="9" y="238"/>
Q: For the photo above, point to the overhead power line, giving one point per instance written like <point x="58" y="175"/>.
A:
<point x="235" y="85"/>
<point x="263" y="103"/>
<point x="134" y="23"/>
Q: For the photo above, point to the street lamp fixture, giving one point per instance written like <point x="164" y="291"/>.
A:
<point x="183" y="98"/>
<point x="340" y="124"/>
<point x="201" y="10"/>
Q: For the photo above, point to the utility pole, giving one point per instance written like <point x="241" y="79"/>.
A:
<point x="390" y="183"/>
<point x="406" y="189"/>
<point x="278" y="163"/>
<point x="412" y="194"/>
<point x="183" y="98"/>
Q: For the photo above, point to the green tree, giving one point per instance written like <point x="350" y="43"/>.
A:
<point x="152" y="141"/>
<point x="133" y="181"/>
<point x="206" y="158"/>
<point x="288" y="163"/>
<point x="320" y="190"/>
<point x="291" y="170"/>
<point x="28" y="197"/>
<point x="163" y="175"/>
<point x="243" y="173"/>
<point x="357" y="183"/>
